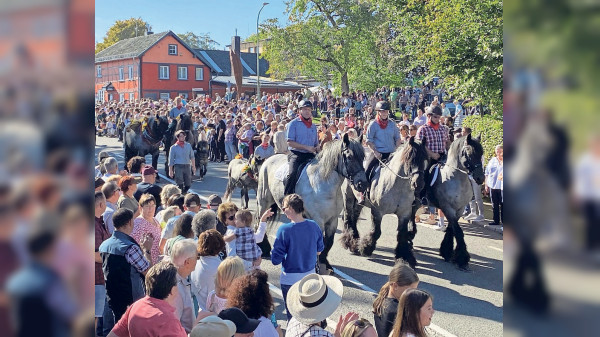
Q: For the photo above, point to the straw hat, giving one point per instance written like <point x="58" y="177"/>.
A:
<point x="314" y="298"/>
<point x="213" y="326"/>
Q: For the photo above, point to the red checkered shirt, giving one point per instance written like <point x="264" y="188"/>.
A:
<point x="436" y="139"/>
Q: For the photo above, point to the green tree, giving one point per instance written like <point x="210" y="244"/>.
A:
<point x="121" y="30"/>
<point x="202" y="41"/>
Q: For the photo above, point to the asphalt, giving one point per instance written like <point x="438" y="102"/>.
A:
<point x="466" y="303"/>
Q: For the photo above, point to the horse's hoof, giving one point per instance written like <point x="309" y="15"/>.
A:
<point x="465" y="269"/>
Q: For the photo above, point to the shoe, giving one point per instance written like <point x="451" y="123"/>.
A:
<point x="470" y="217"/>
<point x="478" y="218"/>
<point x="441" y="228"/>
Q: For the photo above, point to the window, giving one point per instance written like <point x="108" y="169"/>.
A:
<point x="121" y="97"/>
<point x="163" y="72"/>
<point x="110" y="97"/>
<point x="99" y="71"/>
<point x="131" y="97"/>
<point x="182" y="73"/>
<point x="199" y="73"/>
<point x="131" y="72"/>
<point x="164" y="95"/>
<point x="121" y="74"/>
<point x="172" y="49"/>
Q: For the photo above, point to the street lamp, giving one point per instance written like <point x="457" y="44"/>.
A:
<point x="257" y="54"/>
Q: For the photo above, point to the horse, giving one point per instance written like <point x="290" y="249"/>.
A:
<point x="243" y="173"/>
<point x="451" y="192"/>
<point x="393" y="190"/>
<point x="140" y="143"/>
<point x="201" y="157"/>
<point x="319" y="185"/>
<point x="184" y="122"/>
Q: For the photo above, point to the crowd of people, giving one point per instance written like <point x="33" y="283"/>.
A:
<point x="162" y="259"/>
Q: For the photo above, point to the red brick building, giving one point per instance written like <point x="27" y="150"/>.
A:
<point x="153" y="66"/>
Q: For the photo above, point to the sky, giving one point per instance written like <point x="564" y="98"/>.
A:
<point x="219" y="18"/>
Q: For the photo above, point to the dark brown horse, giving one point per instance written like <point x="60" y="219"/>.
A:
<point x="138" y="142"/>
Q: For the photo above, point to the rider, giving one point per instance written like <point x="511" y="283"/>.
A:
<point x="178" y="109"/>
<point x="303" y="143"/>
<point x="383" y="138"/>
<point x="437" y="143"/>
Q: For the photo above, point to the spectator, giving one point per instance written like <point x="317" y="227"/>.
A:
<point x="229" y="270"/>
<point x="111" y="192"/>
<point x="210" y="243"/>
<point x="296" y="245"/>
<point x="214" y="201"/>
<point x="153" y="315"/>
<point x="100" y="170"/>
<point x="445" y="111"/>
<point x="146" y="224"/>
<point x="412" y="130"/>
<point x="135" y="165"/>
<point x="494" y="184"/>
<point x="124" y="264"/>
<point x="128" y="186"/>
<point x="183" y="255"/>
<point x="191" y="204"/>
<point x="264" y="150"/>
<point x="250" y="293"/>
<point x="167" y="191"/>
<point x="167" y="231"/>
<point x="385" y="307"/>
<point x="244" y="326"/>
<point x="245" y="242"/>
<point x="311" y="301"/>
<point x="101" y="234"/>
<point x="182" y="162"/>
<point x="213" y="326"/>
<point x="230" y="147"/>
<point x="279" y="141"/>
<point x="98" y="182"/>
<point x="359" y="328"/>
<point x="587" y="192"/>
<point x="183" y="230"/>
<point x="148" y="185"/>
<point x="405" y="120"/>
<point x="111" y="166"/>
<point x="168" y="213"/>
<point x="205" y="219"/>
<point x="421" y="119"/>
<point x="414" y="314"/>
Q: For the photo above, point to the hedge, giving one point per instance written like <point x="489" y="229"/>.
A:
<point x="491" y="132"/>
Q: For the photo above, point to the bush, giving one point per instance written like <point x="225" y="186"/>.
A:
<point x="491" y="132"/>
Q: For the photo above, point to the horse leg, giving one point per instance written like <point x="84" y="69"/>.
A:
<point x="411" y="221"/>
<point x="527" y="285"/>
<point x="350" y="237"/>
<point x="368" y="243"/>
<point x="167" y="161"/>
<point x="447" y="244"/>
<point x="244" y="197"/>
<point x="325" y="267"/>
<point x="404" y="248"/>
<point x="461" y="255"/>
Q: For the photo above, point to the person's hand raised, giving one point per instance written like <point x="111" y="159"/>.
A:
<point x="343" y="321"/>
<point x="266" y="215"/>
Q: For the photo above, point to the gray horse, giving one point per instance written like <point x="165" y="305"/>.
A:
<point x="393" y="188"/>
<point x="242" y="173"/>
<point x="452" y="191"/>
<point x="319" y="185"/>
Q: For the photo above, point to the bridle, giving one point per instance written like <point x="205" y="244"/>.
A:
<point x="148" y="137"/>
<point x="348" y="174"/>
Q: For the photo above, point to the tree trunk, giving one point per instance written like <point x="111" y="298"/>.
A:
<point x="345" y="86"/>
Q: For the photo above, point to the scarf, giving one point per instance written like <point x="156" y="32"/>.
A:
<point x="180" y="143"/>
<point x="434" y="126"/>
<point x="265" y="146"/>
<point x="308" y="123"/>
<point x="382" y="124"/>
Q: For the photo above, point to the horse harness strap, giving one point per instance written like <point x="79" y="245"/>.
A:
<point x="397" y="175"/>
<point x="148" y="138"/>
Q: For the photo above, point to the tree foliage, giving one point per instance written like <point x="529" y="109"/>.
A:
<point x="121" y="30"/>
<point x="202" y="41"/>
<point x="490" y="129"/>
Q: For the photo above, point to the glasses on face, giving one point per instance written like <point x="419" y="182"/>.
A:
<point x="231" y="217"/>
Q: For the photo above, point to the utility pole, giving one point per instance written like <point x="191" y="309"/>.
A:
<point x="258" y="54"/>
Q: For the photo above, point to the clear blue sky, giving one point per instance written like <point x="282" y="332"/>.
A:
<point x="219" y="18"/>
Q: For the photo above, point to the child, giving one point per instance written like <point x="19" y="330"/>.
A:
<point x="242" y="241"/>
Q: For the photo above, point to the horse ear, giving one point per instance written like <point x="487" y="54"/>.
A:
<point x="412" y="140"/>
<point x="346" y="139"/>
<point x="469" y="137"/>
<point x="478" y="138"/>
<point x="360" y="139"/>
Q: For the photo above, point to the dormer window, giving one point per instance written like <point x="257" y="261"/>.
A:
<point x="172" y="49"/>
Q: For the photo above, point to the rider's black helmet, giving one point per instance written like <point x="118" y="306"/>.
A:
<point x="304" y="104"/>
<point x="382" y="105"/>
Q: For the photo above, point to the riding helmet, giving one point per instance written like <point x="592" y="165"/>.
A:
<point x="382" y="105"/>
<point x="304" y="104"/>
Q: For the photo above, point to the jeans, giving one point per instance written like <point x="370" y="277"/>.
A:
<point x="230" y="150"/>
<point x="497" y="205"/>
<point x="108" y="319"/>
<point x="478" y="199"/>
<point x="284" y="291"/>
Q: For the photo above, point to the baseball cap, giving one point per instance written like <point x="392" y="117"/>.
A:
<point x="243" y="324"/>
<point x="148" y="170"/>
<point x="214" y="200"/>
<point x="213" y="326"/>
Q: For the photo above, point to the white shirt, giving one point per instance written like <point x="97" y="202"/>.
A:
<point x="265" y="328"/>
<point x="184" y="305"/>
<point x="494" y="172"/>
<point x="587" y="178"/>
<point x="203" y="278"/>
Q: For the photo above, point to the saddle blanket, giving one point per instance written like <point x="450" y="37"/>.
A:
<point x="283" y="170"/>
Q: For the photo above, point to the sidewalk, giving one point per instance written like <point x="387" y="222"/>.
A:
<point x="488" y="214"/>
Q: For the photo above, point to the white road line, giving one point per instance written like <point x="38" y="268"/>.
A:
<point x="496" y="248"/>
<point x="331" y="323"/>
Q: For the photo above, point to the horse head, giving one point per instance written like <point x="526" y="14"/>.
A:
<point x="352" y="155"/>
<point x="414" y="157"/>
<point x="470" y="158"/>
<point x="160" y="126"/>
<point x="185" y="122"/>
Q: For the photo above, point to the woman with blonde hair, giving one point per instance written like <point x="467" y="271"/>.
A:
<point x="385" y="307"/>
<point x="230" y="269"/>
<point x="165" y="194"/>
<point x="359" y="328"/>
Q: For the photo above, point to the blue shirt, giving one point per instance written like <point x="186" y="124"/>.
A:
<point x="420" y="120"/>
<point x="299" y="133"/>
<point x="296" y="246"/>
<point x="176" y="112"/>
<point x="384" y="139"/>
<point x="179" y="155"/>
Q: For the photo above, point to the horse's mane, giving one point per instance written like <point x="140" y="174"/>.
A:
<point x="328" y="157"/>
<point x="458" y="143"/>
<point x="409" y="154"/>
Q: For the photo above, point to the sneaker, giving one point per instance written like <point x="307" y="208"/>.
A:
<point x="470" y="217"/>
<point x="441" y="228"/>
<point x="478" y="218"/>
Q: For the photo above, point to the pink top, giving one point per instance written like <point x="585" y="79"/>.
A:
<point x="140" y="227"/>
<point x="149" y="316"/>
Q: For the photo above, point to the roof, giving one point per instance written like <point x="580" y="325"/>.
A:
<point x="265" y="82"/>
<point x="219" y="60"/>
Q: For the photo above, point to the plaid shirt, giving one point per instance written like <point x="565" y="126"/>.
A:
<point x="245" y="244"/>
<point x="297" y="329"/>
<point x="135" y="257"/>
<point x="436" y="139"/>
<point x="230" y="134"/>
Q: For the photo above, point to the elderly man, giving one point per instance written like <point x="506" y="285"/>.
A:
<point x="182" y="162"/>
<point x="111" y="166"/>
<point x="204" y="220"/>
<point x="148" y="185"/>
<point x="183" y="256"/>
<point x="111" y="192"/>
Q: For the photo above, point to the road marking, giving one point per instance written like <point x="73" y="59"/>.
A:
<point x="496" y="248"/>
<point x="331" y="323"/>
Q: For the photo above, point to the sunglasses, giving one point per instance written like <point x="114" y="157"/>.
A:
<point x="230" y="218"/>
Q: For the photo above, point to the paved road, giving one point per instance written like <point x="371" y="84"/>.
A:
<point x="466" y="304"/>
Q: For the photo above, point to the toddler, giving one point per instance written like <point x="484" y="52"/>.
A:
<point x="244" y="240"/>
